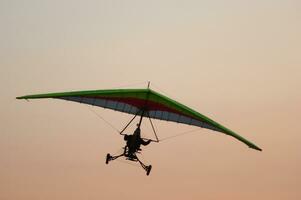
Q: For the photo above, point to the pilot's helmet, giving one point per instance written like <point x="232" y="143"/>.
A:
<point x="126" y="137"/>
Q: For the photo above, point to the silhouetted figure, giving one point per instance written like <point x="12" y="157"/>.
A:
<point x="133" y="143"/>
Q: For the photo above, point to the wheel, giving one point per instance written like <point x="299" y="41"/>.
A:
<point x="108" y="158"/>
<point x="149" y="168"/>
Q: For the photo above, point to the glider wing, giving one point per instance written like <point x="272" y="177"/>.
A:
<point x="133" y="101"/>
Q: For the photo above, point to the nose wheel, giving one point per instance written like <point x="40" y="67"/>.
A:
<point x="108" y="158"/>
<point x="148" y="169"/>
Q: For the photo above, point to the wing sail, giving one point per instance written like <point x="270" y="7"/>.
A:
<point x="132" y="101"/>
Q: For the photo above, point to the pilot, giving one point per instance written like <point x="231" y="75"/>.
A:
<point x="134" y="141"/>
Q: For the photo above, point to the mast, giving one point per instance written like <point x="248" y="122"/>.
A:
<point x="145" y="105"/>
<point x="140" y="121"/>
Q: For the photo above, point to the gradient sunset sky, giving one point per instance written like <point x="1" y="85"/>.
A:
<point x="235" y="61"/>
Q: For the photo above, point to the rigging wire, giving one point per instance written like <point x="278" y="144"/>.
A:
<point x="154" y="126"/>
<point x="103" y="119"/>
<point x="161" y="90"/>
<point x="133" y="84"/>
<point x="179" y="134"/>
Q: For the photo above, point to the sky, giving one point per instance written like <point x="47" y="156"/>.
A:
<point x="235" y="61"/>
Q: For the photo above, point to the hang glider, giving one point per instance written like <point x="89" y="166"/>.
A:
<point x="143" y="102"/>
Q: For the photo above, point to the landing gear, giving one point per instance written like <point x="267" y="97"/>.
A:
<point x="148" y="170"/>
<point x="131" y="157"/>
<point x="134" y="141"/>
<point x="108" y="158"/>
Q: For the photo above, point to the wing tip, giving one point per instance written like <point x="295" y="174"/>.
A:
<point x="256" y="148"/>
<point x="21" y="97"/>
